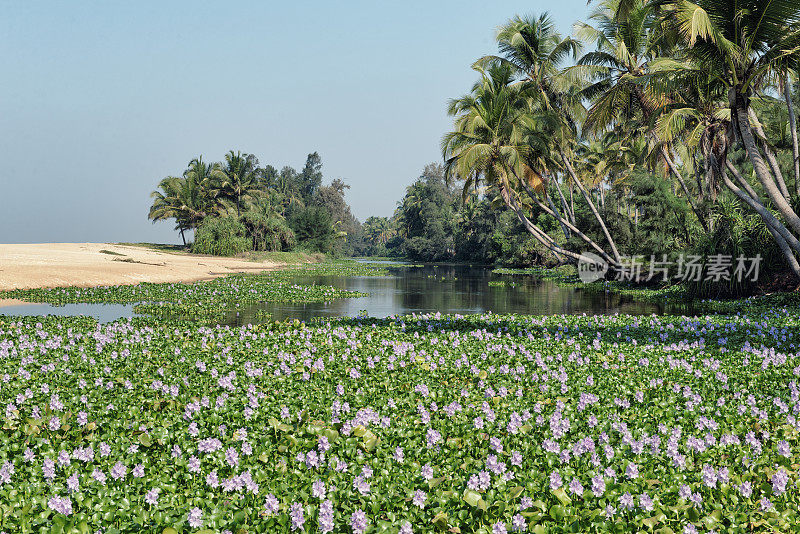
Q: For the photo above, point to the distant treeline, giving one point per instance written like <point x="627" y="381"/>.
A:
<point x="235" y="205"/>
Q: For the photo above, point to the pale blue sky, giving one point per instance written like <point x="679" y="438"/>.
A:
<point x="100" y="100"/>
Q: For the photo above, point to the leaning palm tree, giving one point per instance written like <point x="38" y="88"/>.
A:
<point x="628" y="39"/>
<point x="180" y="198"/>
<point x="166" y="203"/>
<point x="491" y="143"/>
<point x="744" y="46"/>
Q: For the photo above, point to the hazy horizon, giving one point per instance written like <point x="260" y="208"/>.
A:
<point x="100" y="102"/>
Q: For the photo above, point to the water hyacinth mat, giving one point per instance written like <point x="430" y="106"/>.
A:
<point x="483" y="423"/>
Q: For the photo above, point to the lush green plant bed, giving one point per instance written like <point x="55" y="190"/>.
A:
<point x="459" y="424"/>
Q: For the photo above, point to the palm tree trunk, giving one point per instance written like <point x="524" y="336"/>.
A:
<point x="558" y="216"/>
<point x="761" y="170"/>
<point x="771" y="159"/>
<point x="593" y="208"/>
<point x="784" y="239"/>
<point x="589" y="241"/>
<point x="677" y="174"/>
<point x="572" y="202"/>
<point x="787" y="94"/>
<point x="183" y="237"/>
<point x="755" y="203"/>
<point x="535" y="231"/>
<point x="570" y="215"/>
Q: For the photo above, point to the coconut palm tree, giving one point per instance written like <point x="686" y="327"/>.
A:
<point x="744" y="47"/>
<point x="179" y="198"/>
<point x="628" y="38"/>
<point x="492" y="143"/>
<point x="237" y="178"/>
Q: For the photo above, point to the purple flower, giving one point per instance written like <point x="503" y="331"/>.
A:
<point x="632" y="471"/>
<point x="151" y="497"/>
<point x="709" y="476"/>
<point x="626" y="501"/>
<point x="99" y="476"/>
<point x="427" y="472"/>
<point x="746" y="489"/>
<point x="779" y="481"/>
<point x="433" y="437"/>
<point x="598" y="486"/>
<point x="271" y="504"/>
<point x="555" y="480"/>
<point x="60" y="505"/>
<point x="118" y="471"/>
<point x="499" y="528"/>
<point x="576" y="487"/>
<point x="296" y="514"/>
<point x="325" y="519"/>
<point x="784" y="449"/>
<point x="138" y="471"/>
<point x="518" y="523"/>
<point x="645" y="502"/>
<point x="232" y="457"/>
<point x="419" y="498"/>
<point x="406" y="528"/>
<point x="318" y="489"/>
<point x="358" y="522"/>
<point x="195" y="517"/>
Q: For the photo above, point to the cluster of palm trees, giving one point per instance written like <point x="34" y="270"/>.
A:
<point x="206" y="190"/>
<point x="668" y="85"/>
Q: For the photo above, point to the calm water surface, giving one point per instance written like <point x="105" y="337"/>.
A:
<point x="448" y="289"/>
<point x="428" y="289"/>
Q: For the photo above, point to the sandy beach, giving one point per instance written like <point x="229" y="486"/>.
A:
<point x="97" y="264"/>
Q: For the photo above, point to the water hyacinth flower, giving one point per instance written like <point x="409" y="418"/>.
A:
<point x="626" y="501"/>
<point x="325" y="519"/>
<point x="60" y="505"/>
<point x="358" y="522"/>
<point x="271" y="505"/>
<point x="632" y="471"/>
<point x="499" y="528"/>
<point x="419" y="498"/>
<point x="746" y="489"/>
<point x="406" y="528"/>
<point x="151" y="497"/>
<point x="645" y="502"/>
<point x="297" y="516"/>
<point x="195" y="517"/>
<point x="318" y="489"/>
<point x="779" y="481"/>
<point x="576" y="487"/>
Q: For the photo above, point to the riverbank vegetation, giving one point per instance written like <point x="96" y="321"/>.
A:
<point x="235" y="206"/>
<point x="659" y="128"/>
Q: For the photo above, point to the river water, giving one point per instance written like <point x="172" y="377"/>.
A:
<point x="448" y="289"/>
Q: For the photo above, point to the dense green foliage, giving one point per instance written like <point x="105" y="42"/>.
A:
<point x="480" y="423"/>
<point x="278" y="210"/>
<point x="221" y="236"/>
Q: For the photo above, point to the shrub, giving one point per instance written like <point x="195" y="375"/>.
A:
<point x="314" y="228"/>
<point x="221" y="236"/>
<point x="270" y="233"/>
